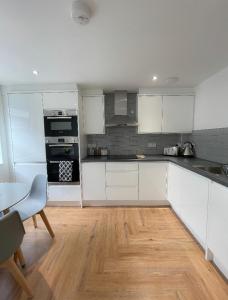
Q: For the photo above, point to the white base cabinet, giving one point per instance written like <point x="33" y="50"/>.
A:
<point x="217" y="229"/>
<point x="25" y="172"/>
<point x="93" y="181"/>
<point x="152" y="181"/>
<point x="131" y="181"/>
<point x="188" y="195"/>
<point x="122" y="181"/>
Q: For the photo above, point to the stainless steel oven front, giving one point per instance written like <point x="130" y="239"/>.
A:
<point x="60" y="123"/>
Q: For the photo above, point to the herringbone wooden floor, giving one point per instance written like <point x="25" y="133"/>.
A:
<point x="114" y="254"/>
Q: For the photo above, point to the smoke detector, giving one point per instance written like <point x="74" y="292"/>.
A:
<point x="81" y="12"/>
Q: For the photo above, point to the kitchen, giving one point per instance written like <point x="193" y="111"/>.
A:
<point x="136" y="168"/>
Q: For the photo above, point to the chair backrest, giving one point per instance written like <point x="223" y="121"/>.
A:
<point x="11" y="234"/>
<point x="39" y="189"/>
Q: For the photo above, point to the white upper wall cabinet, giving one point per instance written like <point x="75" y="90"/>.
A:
<point x="27" y="127"/>
<point x="178" y="113"/>
<point x="93" y="114"/>
<point x="60" y="100"/>
<point x="149" y="114"/>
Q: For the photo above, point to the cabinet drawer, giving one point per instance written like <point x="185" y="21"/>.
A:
<point x="117" y="178"/>
<point x="122" y="193"/>
<point x="124" y="166"/>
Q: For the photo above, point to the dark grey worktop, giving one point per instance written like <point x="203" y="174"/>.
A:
<point x="187" y="163"/>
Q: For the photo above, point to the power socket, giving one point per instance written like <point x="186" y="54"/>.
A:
<point x="152" y="145"/>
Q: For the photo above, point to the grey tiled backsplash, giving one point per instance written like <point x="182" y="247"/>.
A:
<point x="210" y="144"/>
<point x="126" y="141"/>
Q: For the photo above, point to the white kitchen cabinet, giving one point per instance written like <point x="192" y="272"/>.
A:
<point x="122" y="193"/>
<point x="178" y="113"/>
<point x="122" y="178"/>
<point x="152" y="181"/>
<point x="149" y="114"/>
<point x="93" y="181"/>
<point x="60" y="100"/>
<point x="194" y="200"/>
<point x="217" y="233"/>
<point x="174" y="191"/>
<point x="25" y="172"/>
<point x="93" y="114"/>
<point x="122" y="181"/>
<point x="188" y="195"/>
<point x="27" y="127"/>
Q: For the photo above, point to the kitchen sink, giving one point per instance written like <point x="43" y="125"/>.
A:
<point x="219" y="170"/>
<point x="214" y="170"/>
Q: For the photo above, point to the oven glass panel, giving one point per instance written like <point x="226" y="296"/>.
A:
<point x="61" y="125"/>
<point x="62" y="151"/>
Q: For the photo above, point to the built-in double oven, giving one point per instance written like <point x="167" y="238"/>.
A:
<point x="59" y="123"/>
<point x="62" y="152"/>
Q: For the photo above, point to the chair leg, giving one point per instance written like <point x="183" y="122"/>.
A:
<point x="47" y="224"/>
<point x="34" y="221"/>
<point x="18" y="276"/>
<point x="20" y="256"/>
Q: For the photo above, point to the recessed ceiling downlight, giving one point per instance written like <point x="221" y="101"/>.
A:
<point x="35" y="72"/>
<point x="155" y="78"/>
<point x="81" y="12"/>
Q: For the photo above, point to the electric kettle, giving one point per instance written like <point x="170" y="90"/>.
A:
<point x="188" y="149"/>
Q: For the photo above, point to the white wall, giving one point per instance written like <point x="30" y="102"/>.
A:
<point x="4" y="172"/>
<point x="211" y="104"/>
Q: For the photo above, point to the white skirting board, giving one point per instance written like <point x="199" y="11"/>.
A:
<point x="125" y="203"/>
<point x="64" y="203"/>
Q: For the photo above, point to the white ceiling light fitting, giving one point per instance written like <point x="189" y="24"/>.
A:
<point x="155" y="78"/>
<point x="35" y="72"/>
<point x="81" y="12"/>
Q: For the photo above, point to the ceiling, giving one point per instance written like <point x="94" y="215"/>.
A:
<point x="123" y="46"/>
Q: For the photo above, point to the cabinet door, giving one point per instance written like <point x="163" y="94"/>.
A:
<point x="93" y="113"/>
<point x="60" y="100"/>
<point x="26" y="172"/>
<point x="152" y="181"/>
<point x="93" y="181"/>
<point x="174" y="188"/>
<point x="27" y="127"/>
<point x="177" y="113"/>
<point x="149" y="114"/>
<point x="217" y="233"/>
<point x="122" y="193"/>
<point x="194" y="201"/>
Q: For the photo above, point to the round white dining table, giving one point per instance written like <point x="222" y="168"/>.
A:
<point x="12" y="193"/>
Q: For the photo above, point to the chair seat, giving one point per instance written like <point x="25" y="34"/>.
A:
<point x="28" y="208"/>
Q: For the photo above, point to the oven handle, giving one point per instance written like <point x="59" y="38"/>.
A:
<point x="57" y="161"/>
<point x="60" y="117"/>
<point x="60" y="145"/>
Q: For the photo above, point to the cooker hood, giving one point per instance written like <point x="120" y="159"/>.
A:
<point x="123" y="115"/>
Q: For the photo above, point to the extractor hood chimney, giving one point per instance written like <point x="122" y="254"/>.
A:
<point x="120" y="104"/>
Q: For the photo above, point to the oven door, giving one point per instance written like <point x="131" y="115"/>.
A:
<point x="53" y="171"/>
<point x="63" y="151"/>
<point x="61" y="126"/>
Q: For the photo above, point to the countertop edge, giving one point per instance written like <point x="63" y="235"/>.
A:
<point x="185" y="163"/>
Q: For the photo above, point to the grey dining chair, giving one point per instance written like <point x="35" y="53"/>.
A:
<point x="11" y="236"/>
<point x="35" y="203"/>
